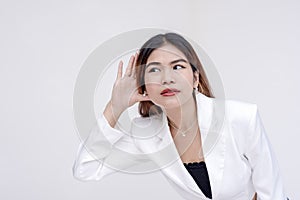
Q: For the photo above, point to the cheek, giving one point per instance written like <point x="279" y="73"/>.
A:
<point x="186" y="80"/>
<point x="156" y="79"/>
<point x="152" y="89"/>
<point x="190" y="80"/>
<point x="152" y="84"/>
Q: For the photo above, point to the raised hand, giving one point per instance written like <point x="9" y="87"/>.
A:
<point x="125" y="91"/>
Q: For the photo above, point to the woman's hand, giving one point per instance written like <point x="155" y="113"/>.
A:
<point x="125" y="90"/>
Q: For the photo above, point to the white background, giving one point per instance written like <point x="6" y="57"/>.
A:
<point x="254" y="44"/>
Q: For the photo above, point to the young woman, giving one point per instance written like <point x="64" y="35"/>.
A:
<point x="178" y="109"/>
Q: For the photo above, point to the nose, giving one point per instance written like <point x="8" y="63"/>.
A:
<point x="167" y="77"/>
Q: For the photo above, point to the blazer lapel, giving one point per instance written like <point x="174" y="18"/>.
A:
<point x="211" y="116"/>
<point x="161" y="149"/>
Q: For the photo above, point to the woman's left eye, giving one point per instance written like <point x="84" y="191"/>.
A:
<point x="178" y="67"/>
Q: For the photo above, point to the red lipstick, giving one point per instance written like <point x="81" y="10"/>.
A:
<point x="169" y="92"/>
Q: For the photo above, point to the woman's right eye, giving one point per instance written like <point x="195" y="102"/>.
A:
<point x="154" y="69"/>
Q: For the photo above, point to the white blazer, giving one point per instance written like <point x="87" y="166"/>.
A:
<point x="238" y="155"/>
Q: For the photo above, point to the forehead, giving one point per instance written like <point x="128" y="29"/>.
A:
<point x="166" y="53"/>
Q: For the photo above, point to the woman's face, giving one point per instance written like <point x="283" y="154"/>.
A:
<point x="169" y="78"/>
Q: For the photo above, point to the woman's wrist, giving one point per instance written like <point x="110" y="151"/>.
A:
<point x="112" y="114"/>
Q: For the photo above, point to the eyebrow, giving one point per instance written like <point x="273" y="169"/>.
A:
<point x="172" y="62"/>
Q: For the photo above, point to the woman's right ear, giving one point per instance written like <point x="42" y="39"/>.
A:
<point x="196" y="79"/>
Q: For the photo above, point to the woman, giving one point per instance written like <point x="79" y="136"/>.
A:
<point x="167" y="79"/>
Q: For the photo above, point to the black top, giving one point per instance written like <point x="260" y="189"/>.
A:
<point x="199" y="173"/>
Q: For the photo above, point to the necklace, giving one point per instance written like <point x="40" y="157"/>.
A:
<point x="183" y="133"/>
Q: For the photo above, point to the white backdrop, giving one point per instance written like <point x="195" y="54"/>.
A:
<point x="254" y="45"/>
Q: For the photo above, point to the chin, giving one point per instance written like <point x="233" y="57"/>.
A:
<point x="169" y="103"/>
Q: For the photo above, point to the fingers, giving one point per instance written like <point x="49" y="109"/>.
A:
<point x="130" y="70"/>
<point x="129" y="67"/>
<point x="120" y="69"/>
<point x="134" y="65"/>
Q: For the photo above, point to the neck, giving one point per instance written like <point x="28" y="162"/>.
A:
<point x="183" y="117"/>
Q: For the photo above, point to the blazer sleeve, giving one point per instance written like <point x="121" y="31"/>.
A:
<point x="265" y="170"/>
<point x="105" y="151"/>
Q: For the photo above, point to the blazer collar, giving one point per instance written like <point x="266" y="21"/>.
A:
<point x="213" y="147"/>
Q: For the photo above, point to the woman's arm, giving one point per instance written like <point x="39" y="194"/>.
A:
<point x="107" y="149"/>
<point x="265" y="170"/>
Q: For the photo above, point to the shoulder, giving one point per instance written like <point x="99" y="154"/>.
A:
<point x="234" y="111"/>
<point x="240" y="112"/>
<point x="147" y="125"/>
<point x="239" y="115"/>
